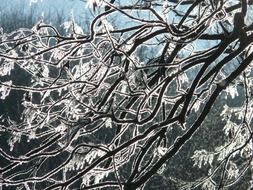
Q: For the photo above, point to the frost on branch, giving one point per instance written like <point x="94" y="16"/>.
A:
<point x="136" y="100"/>
<point x="5" y="89"/>
<point x="6" y="67"/>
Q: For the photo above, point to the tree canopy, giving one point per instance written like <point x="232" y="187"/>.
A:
<point x="121" y="105"/>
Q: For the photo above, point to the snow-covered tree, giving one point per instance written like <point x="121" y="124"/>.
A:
<point x="113" y="107"/>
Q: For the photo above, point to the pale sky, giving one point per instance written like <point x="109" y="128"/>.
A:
<point x="64" y="7"/>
